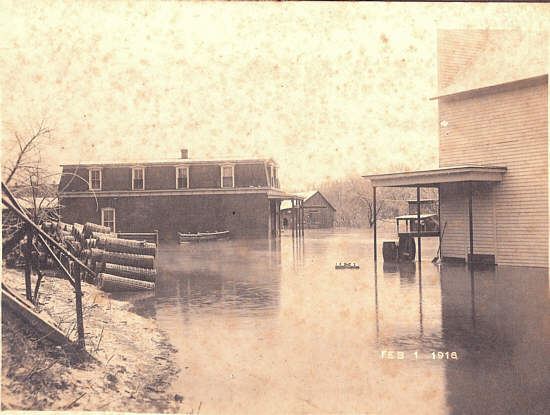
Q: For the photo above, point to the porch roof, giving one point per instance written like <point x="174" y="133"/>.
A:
<point x="432" y="178"/>
<point x="284" y="196"/>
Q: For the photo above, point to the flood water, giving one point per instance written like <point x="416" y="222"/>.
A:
<point x="273" y="328"/>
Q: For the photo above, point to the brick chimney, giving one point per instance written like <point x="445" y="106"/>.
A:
<point x="184" y="153"/>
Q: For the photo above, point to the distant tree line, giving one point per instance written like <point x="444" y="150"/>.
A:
<point x="352" y="199"/>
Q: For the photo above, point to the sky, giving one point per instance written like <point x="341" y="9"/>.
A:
<point x="328" y="90"/>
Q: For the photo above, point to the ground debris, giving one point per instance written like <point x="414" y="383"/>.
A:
<point x="129" y="365"/>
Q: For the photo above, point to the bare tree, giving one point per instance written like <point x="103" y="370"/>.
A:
<point x="353" y="199"/>
<point x="368" y="201"/>
<point x="22" y="167"/>
<point x="26" y="160"/>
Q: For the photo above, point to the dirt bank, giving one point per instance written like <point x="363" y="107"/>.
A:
<point x="132" y="363"/>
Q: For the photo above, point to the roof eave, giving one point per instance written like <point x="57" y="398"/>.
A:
<point x="174" y="162"/>
<point x="438" y="176"/>
<point x="532" y="80"/>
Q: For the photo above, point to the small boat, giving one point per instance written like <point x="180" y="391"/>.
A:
<point x="202" y="236"/>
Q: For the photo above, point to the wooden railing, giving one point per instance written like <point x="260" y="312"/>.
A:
<point x="70" y="265"/>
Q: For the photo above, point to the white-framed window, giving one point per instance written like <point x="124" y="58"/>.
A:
<point x="274" y="176"/>
<point x="182" y="177"/>
<point x="138" y="178"/>
<point x="108" y="218"/>
<point x="94" y="179"/>
<point x="228" y="175"/>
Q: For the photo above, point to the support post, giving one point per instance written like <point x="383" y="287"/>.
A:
<point x="299" y="217"/>
<point x="303" y="220"/>
<point x="439" y="217"/>
<point x="293" y="219"/>
<point x="269" y="220"/>
<point x="420" y="316"/>
<point x="471" y="215"/>
<point x="418" y="230"/>
<point x="78" y="303"/>
<point x="279" y="217"/>
<point x="37" y="285"/>
<point x="28" y="263"/>
<point x="374" y="217"/>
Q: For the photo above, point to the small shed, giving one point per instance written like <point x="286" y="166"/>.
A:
<point x="318" y="211"/>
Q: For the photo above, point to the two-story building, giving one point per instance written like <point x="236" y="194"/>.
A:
<point x="177" y="195"/>
<point x="493" y="147"/>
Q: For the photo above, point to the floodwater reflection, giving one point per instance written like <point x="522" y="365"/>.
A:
<point x="504" y="331"/>
<point x="272" y="327"/>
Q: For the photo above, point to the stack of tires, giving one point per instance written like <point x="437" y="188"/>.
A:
<point x="121" y="264"/>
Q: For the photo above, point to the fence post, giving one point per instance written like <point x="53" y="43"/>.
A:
<point x="28" y="261"/>
<point x="78" y="301"/>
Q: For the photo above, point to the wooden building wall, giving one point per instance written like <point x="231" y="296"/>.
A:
<point x="318" y="213"/>
<point x="503" y="127"/>
<point x="244" y="215"/>
<point x="456" y="50"/>
<point x="453" y="213"/>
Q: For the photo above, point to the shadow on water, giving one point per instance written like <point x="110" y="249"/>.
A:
<point x="497" y="319"/>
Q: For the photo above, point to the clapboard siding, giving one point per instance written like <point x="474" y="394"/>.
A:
<point x="506" y="128"/>
<point x="483" y="220"/>
<point x="453" y="213"/>
<point x="456" y="50"/>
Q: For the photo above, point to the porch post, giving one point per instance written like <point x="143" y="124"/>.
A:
<point x="374" y="217"/>
<point x="302" y="209"/>
<point x="418" y="224"/>
<point x="279" y="218"/>
<point x="269" y="218"/>
<point x="293" y="219"/>
<point x="439" y="217"/>
<point x="470" y="213"/>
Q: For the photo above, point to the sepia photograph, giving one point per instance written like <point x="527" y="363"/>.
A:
<point x="275" y="208"/>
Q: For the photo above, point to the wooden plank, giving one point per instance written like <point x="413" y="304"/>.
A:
<point x="24" y="309"/>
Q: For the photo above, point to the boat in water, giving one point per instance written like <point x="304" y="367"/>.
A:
<point x="202" y="236"/>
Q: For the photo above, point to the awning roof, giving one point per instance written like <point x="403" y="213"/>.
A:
<point x="427" y="178"/>
<point x="422" y="216"/>
<point x="284" y="196"/>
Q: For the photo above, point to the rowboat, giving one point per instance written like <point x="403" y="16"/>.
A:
<point x="202" y="236"/>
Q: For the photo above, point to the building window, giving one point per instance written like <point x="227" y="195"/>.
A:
<point x="228" y="176"/>
<point x="138" y="178"/>
<point x="274" y="176"/>
<point x="108" y="218"/>
<point x="94" y="179"/>
<point x="182" y="177"/>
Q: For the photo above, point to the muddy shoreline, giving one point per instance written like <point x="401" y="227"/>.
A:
<point x="130" y="365"/>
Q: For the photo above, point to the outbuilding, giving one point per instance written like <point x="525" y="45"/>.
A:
<point x="318" y="211"/>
